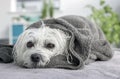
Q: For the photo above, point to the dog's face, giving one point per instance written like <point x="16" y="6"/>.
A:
<point x="35" y="47"/>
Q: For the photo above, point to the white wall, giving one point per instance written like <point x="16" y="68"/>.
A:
<point x="68" y="7"/>
<point x="77" y="7"/>
<point x="4" y="18"/>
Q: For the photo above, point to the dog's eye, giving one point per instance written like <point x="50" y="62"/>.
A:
<point x="50" y="45"/>
<point x="30" y="44"/>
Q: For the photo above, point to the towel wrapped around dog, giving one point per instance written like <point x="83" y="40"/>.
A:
<point x="87" y="42"/>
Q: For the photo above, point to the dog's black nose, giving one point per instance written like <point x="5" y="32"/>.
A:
<point x="35" y="57"/>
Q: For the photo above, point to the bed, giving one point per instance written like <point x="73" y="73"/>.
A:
<point x="97" y="70"/>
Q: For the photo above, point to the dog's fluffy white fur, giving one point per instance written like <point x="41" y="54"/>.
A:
<point x="39" y="37"/>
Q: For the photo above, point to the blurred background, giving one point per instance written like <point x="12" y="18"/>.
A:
<point x="16" y="15"/>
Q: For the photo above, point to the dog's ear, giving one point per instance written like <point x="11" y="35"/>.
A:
<point x="6" y="53"/>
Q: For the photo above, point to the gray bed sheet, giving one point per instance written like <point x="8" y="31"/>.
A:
<point x="97" y="70"/>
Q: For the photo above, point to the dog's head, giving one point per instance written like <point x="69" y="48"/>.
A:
<point x="35" y="47"/>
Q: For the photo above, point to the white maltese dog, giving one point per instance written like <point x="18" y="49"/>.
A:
<point x="35" y="47"/>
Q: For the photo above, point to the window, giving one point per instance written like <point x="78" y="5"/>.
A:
<point x="31" y="5"/>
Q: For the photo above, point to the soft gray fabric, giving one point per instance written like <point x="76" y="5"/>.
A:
<point x="6" y="53"/>
<point x="97" y="70"/>
<point x="87" y="40"/>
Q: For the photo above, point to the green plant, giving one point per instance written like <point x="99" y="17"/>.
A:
<point x="51" y="8"/>
<point x="22" y="5"/>
<point x="48" y="9"/>
<point x="108" y="20"/>
<point x="44" y="10"/>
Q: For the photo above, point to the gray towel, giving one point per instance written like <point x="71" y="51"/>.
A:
<point x="87" y="40"/>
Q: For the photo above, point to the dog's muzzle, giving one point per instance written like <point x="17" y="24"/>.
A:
<point x="36" y="58"/>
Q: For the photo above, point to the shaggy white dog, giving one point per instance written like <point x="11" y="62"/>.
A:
<point x="35" y="47"/>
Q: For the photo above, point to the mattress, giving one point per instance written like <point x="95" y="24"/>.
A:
<point x="97" y="70"/>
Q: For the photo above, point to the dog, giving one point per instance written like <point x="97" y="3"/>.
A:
<point x="35" y="47"/>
